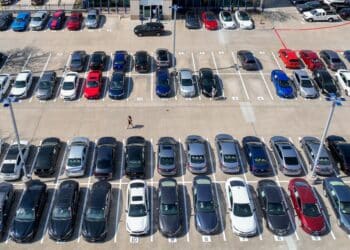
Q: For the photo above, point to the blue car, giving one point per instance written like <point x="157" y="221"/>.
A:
<point x="21" y="22"/>
<point x="163" y="88"/>
<point x="120" y="60"/>
<point x="256" y="155"/>
<point x="283" y="84"/>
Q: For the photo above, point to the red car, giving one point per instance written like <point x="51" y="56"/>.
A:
<point x="93" y="85"/>
<point x="57" y="20"/>
<point x="307" y="207"/>
<point x="75" y="20"/>
<point x="209" y="20"/>
<point x="289" y="58"/>
<point x="311" y="60"/>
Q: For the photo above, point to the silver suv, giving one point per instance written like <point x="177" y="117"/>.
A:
<point x="77" y="157"/>
<point x="196" y="154"/>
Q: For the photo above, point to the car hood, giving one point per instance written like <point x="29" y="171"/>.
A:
<point x="116" y="91"/>
<point x="307" y="14"/>
<point x="60" y="228"/>
<point x="309" y="91"/>
<point x="137" y="224"/>
<point x="93" y="229"/>
<point x="90" y="21"/>
<point x="279" y="222"/>
<point x="169" y="224"/>
<point x="20" y="229"/>
<point x="230" y="165"/>
<point x="314" y="223"/>
<point x="286" y="90"/>
<point x="92" y="91"/>
<point x="35" y="23"/>
<point x="43" y="92"/>
<point x="18" y="91"/>
<point x="67" y="92"/>
<point x="247" y="23"/>
<point x="211" y="23"/>
<point x="207" y="222"/>
<point x="72" y="23"/>
<point x="244" y="224"/>
<point x="17" y="24"/>
<point x="103" y="170"/>
<point x="187" y="89"/>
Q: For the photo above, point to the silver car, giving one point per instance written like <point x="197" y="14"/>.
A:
<point x="46" y="85"/>
<point x="166" y="156"/>
<point x="77" y="157"/>
<point x="228" y="154"/>
<point x="93" y="19"/>
<point x="39" y="20"/>
<point x="310" y="146"/>
<point x="5" y="80"/>
<point x="196" y="154"/>
<point x="304" y="84"/>
<point x="286" y="155"/>
<point x="187" y="87"/>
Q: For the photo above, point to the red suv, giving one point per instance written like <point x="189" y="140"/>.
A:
<point x="311" y="60"/>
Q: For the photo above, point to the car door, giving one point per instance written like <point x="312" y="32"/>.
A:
<point x="297" y="202"/>
<point x="334" y="201"/>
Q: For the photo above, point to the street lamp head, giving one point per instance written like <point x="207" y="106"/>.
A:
<point x="335" y="99"/>
<point x="8" y="100"/>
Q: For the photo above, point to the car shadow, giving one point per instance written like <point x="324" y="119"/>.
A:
<point x="180" y="154"/>
<point x="243" y="159"/>
<point x="130" y="86"/>
<point x="324" y="211"/>
<point x="260" y="65"/>
<point x="80" y="89"/>
<point x="291" y="211"/>
<point x="154" y="210"/>
<point x="83" y="196"/>
<point x="259" y="214"/>
<point x="114" y="214"/>
<point x="222" y="207"/>
<point x="150" y="160"/>
<point x="185" y="204"/>
<point x="210" y="158"/>
<point x="33" y="151"/>
<point x="272" y="160"/>
<point x="130" y="63"/>
<point x="118" y="171"/>
<point x="197" y="86"/>
<point x="102" y="21"/>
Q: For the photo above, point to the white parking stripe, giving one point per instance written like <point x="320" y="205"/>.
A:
<point x="240" y="75"/>
<point x="129" y="76"/>
<point x="266" y="85"/>
<point x="274" y="57"/>
<point x="25" y="64"/>
<point x="152" y="183"/>
<point x="217" y="72"/>
<point x="195" y="70"/>
<point x="152" y="73"/>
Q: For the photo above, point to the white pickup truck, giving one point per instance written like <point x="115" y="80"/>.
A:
<point x="320" y="15"/>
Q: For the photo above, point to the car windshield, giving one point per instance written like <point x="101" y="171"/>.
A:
<point x="306" y="83"/>
<point x="20" y="19"/>
<point x="44" y="85"/>
<point x="74" y="162"/>
<point x="163" y="82"/>
<point x="345" y="207"/>
<point x="37" y="19"/>
<point x="197" y="158"/>
<point x="311" y="210"/>
<point x="226" y="17"/>
<point x="260" y="161"/>
<point x="324" y="161"/>
<point x="95" y="214"/>
<point x="163" y="55"/>
<point x="168" y="209"/>
<point x="244" y="16"/>
<point x="230" y="158"/>
<point x="76" y="60"/>
<point x="25" y="214"/>
<point x="186" y="82"/>
<point x="68" y="86"/>
<point x="117" y="83"/>
<point x="275" y="208"/>
<point x="284" y="83"/>
<point x="61" y="213"/>
<point x="74" y="18"/>
<point x="205" y="206"/>
<point x="134" y="158"/>
<point x="141" y="59"/>
<point x="91" y="17"/>
<point x="137" y="210"/>
<point x="291" y="160"/>
<point x="20" y="84"/>
<point x="92" y="84"/>
<point x="336" y="60"/>
<point x="104" y="163"/>
<point x="242" y="210"/>
<point x="167" y="161"/>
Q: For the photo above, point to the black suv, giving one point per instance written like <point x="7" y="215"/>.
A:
<point x="46" y="160"/>
<point x="149" y="29"/>
<point x="340" y="150"/>
<point x="135" y="164"/>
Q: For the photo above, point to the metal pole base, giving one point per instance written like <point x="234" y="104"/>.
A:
<point x="314" y="179"/>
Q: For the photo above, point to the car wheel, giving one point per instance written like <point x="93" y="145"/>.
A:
<point x="330" y="20"/>
<point x="324" y="192"/>
<point x="158" y="34"/>
<point x="139" y="34"/>
<point x="310" y="20"/>
<point x="346" y="92"/>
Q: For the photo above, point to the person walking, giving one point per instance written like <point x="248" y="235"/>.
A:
<point x="130" y="124"/>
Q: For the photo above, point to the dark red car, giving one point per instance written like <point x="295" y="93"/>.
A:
<point x="93" y="84"/>
<point x="57" y="20"/>
<point x="75" y="20"/>
<point x="311" y="60"/>
<point x="289" y="58"/>
<point x="209" y="20"/>
<point x="307" y="207"/>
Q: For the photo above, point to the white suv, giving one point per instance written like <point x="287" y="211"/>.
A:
<point x="343" y="79"/>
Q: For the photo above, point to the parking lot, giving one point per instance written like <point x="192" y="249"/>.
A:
<point x="249" y="106"/>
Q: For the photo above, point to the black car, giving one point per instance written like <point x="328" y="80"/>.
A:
<point x="295" y="2"/>
<point x="247" y="60"/>
<point x="207" y="82"/>
<point x="6" y="19"/>
<point x="120" y="60"/>
<point x="192" y="20"/>
<point x="46" y="161"/>
<point x="346" y="54"/>
<point x="3" y="58"/>
<point x="344" y="13"/>
<point x="273" y="204"/>
<point x="332" y="60"/>
<point x="64" y="211"/>
<point x="29" y="211"/>
<point x="311" y="5"/>
<point x="95" y="222"/>
<point x="117" y="88"/>
<point x="340" y="150"/>
<point x="339" y="6"/>
<point x="46" y="85"/>
<point x="205" y="209"/>
<point x="325" y="82"/>
<point x="170" y="219"/>
<point x="78" y="61"/>
<point x="6" y="199"/>
<point x="149" y="29"/>
<point x="135" y="163"/>
<point x="142" y="62"/>
<point x="97" y="61"/>
<point x="163" y="58"/>
<point x="105" y="157"/>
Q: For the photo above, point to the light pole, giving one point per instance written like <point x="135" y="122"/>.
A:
<point x="336" y="101"/>
<point x="7" y="103"/>
<point x="174" y="7"/>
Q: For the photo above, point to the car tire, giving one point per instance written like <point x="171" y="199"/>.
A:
<point x="324" y="193"/>
<point x="346" y="92"/>
<point x="310" y="20"/>
<point x="331" y="20"/>
<point x="139" y="34"/>
<point x="158" y="34"/>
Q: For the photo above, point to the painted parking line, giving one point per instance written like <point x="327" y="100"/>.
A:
<point x="217" y="72"/>
<point x="152" y="184"/>
<point x="266" y="85"/>
<point x="152" y="83"/>
<point x="41" y="74"/>
<point x="62" y="78"/>
<point x="26" y="62"/>
<point x="240" y="75"/>
<point x="194" y="71"/>
<point x="129" y="76"/>
<point x="275" y="58"/>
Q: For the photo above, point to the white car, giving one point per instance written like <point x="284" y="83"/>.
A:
<point x="11" y="167"/>
<point x="343" y="78"/>
<point x="243" y="20"/>
<point x="137" y="208"/>
<point x="5" y="80"/>
<point x="69" y="88"/>
<point x="241" y="207"/>
<point x="22" y="84"/>
<point x="226" y="20"/>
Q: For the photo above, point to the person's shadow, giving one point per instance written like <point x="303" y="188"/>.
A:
<point x="138" y="126"/>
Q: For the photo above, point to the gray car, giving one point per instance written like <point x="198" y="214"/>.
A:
<point x="196" y="154"/>
<point x="93" y="19"/>
<point x="77" y="157"/>
<point x="78" y="61"/>
<point x="228" y="154"/>
<point x="163" y="58"/>
<point x="304" y="84"/>
<point x="287" y="156"/>
<point x="46" y="85"/>
<point x="332" y="60"/>
<point x="166" y="156"/>
<point x="187" y="87"/>
<point x="39" y="20"/>
<point x="310" y="147"/>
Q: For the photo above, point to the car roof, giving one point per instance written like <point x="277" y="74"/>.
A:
<point x="137" y="188"/>
<point x="228" y="147"/>
<point x="281" y="74"/>
<point x="273" y="194"/>
<point x="186" y="74"/>
<point x="22" y="76"/>
<point x="76" y="151"/>
<point x="47" y="75"/>
<point x="98" y="194"/>
<point x="66" y="192"/>
<point x="204" y="188"/>
<point x="70" y="78"/>
<point x="239" y="192"/>
<point x="168" y="188"/>
<point x="304" y="190"/>
<point x="331" y="53"/>
<point x="196" y="148"/>
<point x="23" y="14"/>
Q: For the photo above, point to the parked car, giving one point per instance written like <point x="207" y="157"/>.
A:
<point x="69" y="87"/>
<point x="167" y="164"/>
<point x="307" y="207"/>
<point x="98" y="60"/>
<point x="310" y="5"/>
<point x="170" y="219"/>
<point x="46" y="85"/>
<point x="6" y="2"/>
<point x="332" y="60"/>
<point x="120" y="60"/>
<point x="287" y="157"/>
<point x="78" y="61"/>
<point x="241" y="207"/>
<point x="93" y="85"/>
<point x="346" y="54"/>
<point x="186" y="83"/>
<point x="274" y="206"/>
<point x="5" y="84"/>
<point x="192" y="20"/>
<point x="21" y="21"/>
<point x="247" y="60"/>
<point x="6" y="19"/>
<point x="12" y="165"/>
<point x="226" y="20"/>
<point x="95" y="221"/>
<point x="137" y="208"/>
<point x="344" y="13"/>
<point x="257" y="156"/>
<point x="149" y="29"/>
<point x="26" y="223"/>
<point x="75" y="21"/>
<point x="6" y="201"/>
<point x="208" y="82"/>
<point x="21" y="86"/>
<point x="196" y="154"/>
<point x="57" y="20"/>
<point x="163" y="86"/>
<point x="37" y="2"/>
<point x="338" y="194"/>
<point x="106" y="157"/>
<point x="142" y="62"/>
<point x="39" y="20"/>
<point x="343" y="78"/>
<point x="340" y="150"/>
<point x="135" y="163"/>
<point x="325" y="82"/>
<point x="310" y="146"/>
<point x="320" y="15"/>
<point x="117" y="86"/>
<point x="76" y="162"/>
<point x="243" y="20"/>
<point x="304" y="84"/>
<point x="229" y="154"/>
<point x="311" y="60"/>
<point x="92" y="20"/>
<point x="3" y="59"/>
<point x="64" y="211"/>
<point x="283" y="84"/>
<point x="163" y="58"/>
<point x="209" y="20"/>
<point x="47" y="158"/>
<point x="289" y="58"/>
<point x="205" y="207"/>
